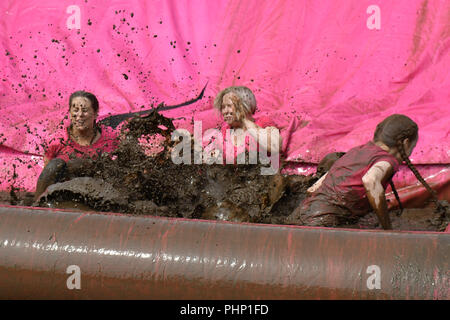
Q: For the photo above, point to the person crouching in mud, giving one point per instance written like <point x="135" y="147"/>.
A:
<point x="356" y="182"/>
<point x="241" y="133"/>
<point x="84" y="139"/>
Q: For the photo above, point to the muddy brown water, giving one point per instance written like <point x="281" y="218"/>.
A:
<point x="128" y="181"/>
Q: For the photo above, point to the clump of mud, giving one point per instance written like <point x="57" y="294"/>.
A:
<point x="93" y="193"/>
<point x="441" y="214"/>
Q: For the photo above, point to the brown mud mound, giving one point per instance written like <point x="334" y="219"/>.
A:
<point x="216" y="192"/>
<point x="411" y="219"/>
<point x="94" y="193"/>
<point x="441" y="215"/>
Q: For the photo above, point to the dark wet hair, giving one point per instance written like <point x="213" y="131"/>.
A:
<point x="84" y="94"/>
<point x="392" y="131"/>
<point x="395" y="128"/>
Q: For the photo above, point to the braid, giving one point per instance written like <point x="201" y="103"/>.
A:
<point x="414" y="170"/>
<point x="394" y="190"/>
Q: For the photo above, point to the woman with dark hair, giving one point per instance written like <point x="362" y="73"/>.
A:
<point x="356" y="182"/>
<point x="84" y="140"/>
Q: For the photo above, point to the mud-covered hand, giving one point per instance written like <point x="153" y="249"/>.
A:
<point x="317" y="184"/>
<point x="373" y="183"/>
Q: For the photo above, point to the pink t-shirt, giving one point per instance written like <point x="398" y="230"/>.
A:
<point x="342" y="191"/>
<point x="66" y="148"/>
<point x="230" y="151"/>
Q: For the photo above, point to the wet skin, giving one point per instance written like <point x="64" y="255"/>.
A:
<point x="82" y="119"/>
<point x="230" y="115"/>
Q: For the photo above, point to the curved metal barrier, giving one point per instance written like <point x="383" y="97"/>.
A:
<point x="56" y="254"/>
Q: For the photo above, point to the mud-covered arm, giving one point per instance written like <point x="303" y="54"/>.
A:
<point x="318" y="183"/>
<point x="372" y="181"/>
<point x="268" y="138"/>
<point x="46" y="160"/>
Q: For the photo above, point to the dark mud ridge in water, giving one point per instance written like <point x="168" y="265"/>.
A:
<point x="129" y="181"/>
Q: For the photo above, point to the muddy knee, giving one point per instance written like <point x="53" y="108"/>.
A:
<point x="52" y="173"/>
<point x="313" y="214"/>
<point x="324" y="220"/>
<point x="295" y="217"/>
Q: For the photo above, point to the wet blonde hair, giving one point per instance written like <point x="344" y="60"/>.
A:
<point x="245" y="96"/>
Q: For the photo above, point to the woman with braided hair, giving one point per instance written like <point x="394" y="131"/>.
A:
<point x="356" y="182"/>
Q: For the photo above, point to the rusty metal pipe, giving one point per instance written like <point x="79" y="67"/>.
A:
<point x="143" y="257"/>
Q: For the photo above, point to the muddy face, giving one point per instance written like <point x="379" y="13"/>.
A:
<point x="230" y="114"/>
<point x="82" y="114"/>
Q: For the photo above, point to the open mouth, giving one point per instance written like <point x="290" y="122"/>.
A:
<point x="228" y="117"/>
<point x="79" y="123"/>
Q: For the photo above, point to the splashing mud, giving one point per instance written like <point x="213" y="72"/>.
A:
<point x="130" y="181"/>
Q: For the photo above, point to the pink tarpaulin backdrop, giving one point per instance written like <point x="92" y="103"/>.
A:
<point x="323" y="67"/>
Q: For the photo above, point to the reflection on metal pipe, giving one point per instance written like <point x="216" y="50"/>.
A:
<point x="143" y="257"/>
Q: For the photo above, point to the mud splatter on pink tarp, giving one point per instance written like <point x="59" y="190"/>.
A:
<point x="313" y="61"/>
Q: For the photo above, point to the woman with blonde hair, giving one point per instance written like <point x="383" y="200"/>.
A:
<point x="237" y="106"/>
